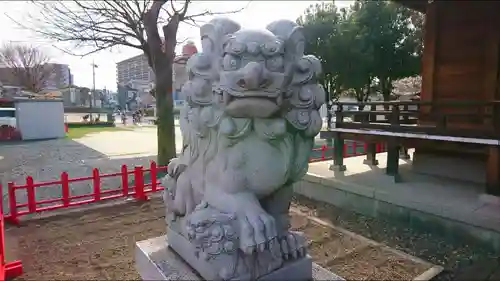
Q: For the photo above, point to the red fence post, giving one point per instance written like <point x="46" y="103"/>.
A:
<point x="152" y="168"/>
<point x="344" y="151"/>
<point x="65" y="188"/>
<point x="124" y="173"/>
<point x="139" y="183"/>
<point x="30" y="190"/>
<point x="2" y="244"/>
<point x="323" y="151"/>
<point x="11" y="194"/>
<point x="96" y="179"/>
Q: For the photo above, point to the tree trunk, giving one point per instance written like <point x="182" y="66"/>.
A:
<point x="165" y="119"/>
<point x="386" y="89"/>
<point x="161" y="61"/>
<point x="164" y="99"/>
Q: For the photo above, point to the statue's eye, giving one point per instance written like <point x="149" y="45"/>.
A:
<point x="272" y="48"/>
<point x="275" y="64"/>
<point x="231" y="62"/>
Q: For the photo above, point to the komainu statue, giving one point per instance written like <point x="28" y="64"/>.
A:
<point x="248" y="126"/>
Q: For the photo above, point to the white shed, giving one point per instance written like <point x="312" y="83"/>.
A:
<point x="38" y="119"/>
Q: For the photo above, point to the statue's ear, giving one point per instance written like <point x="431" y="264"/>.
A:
<point x="214" y="33"/>
<point x="296" y="42"/>
<point x="292" y="34"/>
<point x="208" y="37"/>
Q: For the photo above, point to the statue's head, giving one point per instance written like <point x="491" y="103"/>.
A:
<point x="256" y="68"/>
<point x="256" y="73"/>
<point x="252" y="74"/>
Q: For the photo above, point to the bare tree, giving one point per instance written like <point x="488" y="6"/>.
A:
<point x="92" y="26"/>
<point x="28" y="66"/>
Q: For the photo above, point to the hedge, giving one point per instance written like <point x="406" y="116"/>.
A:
<point x="90" y="124"/>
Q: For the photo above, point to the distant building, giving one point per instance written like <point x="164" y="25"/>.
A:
<point x="134" y="68"/>
<point x="180" y="75"/>
<point x="135" y="94"/>
<point x="60" y="77"/>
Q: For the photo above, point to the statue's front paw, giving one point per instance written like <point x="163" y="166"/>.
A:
<point x="293" y="245"/>
<point x="175" y="168"/>
<point x="257" y="230"/>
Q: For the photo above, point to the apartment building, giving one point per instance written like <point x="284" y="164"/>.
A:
<point x="134" y="68"/>
<point x="60" y="77"/>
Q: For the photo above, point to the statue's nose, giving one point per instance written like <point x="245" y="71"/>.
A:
<point x="253" y="77"/>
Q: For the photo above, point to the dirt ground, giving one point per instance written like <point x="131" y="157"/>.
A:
<point x="99" y="244"/>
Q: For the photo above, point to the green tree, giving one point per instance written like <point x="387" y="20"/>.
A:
<point x="353" y="60"/>
<point x="392" y="38"/>
<point x="333" y="36"/>
<point x="320" y="22"/>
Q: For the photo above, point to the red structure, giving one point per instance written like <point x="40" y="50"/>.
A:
<point x="10" y="269"/>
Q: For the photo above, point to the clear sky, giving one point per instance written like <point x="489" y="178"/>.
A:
<point x="257" y="14"/>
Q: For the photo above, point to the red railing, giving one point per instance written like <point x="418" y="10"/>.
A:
<point x="138" y="190"/>
<point x="8" y="269"/>
<point x="350" y="149"/>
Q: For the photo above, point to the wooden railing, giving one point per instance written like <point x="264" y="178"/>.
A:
<point x="471" y="119"/>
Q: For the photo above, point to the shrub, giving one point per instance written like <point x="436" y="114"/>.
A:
<point x="90" y="124"/>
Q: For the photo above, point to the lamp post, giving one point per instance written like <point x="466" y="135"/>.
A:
<point x="92" y="93"/>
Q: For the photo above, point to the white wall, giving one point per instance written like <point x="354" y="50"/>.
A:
<point x="40" y="120"/>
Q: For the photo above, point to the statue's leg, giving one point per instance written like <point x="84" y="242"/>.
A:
<point x="180" y="200"/>
<point x="293" y="244"/>
<point x="257" y="228"/>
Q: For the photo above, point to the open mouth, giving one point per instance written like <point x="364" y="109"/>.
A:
<point x="255" y="104"/>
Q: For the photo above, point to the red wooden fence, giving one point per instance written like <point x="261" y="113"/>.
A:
<point x="138" y="190"/>
<point x="350" y="149"/>
<point x="8" y="269"/>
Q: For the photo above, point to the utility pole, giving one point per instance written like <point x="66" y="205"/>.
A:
<point x="92" y="95"/>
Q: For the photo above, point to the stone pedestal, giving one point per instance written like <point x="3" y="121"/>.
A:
<point x="155" y="260"/>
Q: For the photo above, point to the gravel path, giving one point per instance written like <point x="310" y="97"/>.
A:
<point x="45" y="160"/>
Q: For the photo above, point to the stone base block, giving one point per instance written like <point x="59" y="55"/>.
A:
<point x="155" y="260"/>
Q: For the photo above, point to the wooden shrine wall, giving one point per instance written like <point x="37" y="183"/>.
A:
<point x="461" y="60"/>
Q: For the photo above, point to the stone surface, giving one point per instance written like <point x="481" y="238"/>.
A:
<point x="470" y="169"/>
<point x="248" y="126"/>
<point x="155" y="260"/>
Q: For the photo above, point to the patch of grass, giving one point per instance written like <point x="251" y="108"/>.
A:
<point x="74" y="133"/>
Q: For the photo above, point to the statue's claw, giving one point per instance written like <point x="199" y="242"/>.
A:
<point x="293" y="245"/>
<point x="175" y="168"/>
<point x="257" y="230"/>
